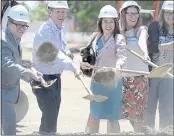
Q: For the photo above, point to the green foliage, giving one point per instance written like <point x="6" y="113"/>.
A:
<point x="86" y="12"/>
<point x="39" y="14"/>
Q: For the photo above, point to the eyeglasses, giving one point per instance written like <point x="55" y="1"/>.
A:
<point x="132" y="14"/>
<point x="168" y="13"/>
<point x="19" y="26"/>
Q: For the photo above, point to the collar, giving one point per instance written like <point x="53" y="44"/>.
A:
<point x="53" y="25"/>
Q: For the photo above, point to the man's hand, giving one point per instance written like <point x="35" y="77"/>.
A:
<point x="27" y="63"/>
<point x="70" y="55"/>
<point x="36" y="75"/>
<point x="78" y="73"/>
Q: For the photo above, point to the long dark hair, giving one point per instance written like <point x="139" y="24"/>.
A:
<point x="116" y="29"/>
<point x="163" y="26"/>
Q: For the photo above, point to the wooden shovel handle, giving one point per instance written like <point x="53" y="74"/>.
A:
<point x="85" y="85"/>
<point x="126" y="71"/>
<point x="134" y="71"/>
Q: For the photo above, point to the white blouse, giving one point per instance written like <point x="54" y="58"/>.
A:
<point x="133" y="62"/>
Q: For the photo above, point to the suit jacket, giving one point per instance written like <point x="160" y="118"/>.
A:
<point x="12" y="69"/>
<point x="113" y="52"/>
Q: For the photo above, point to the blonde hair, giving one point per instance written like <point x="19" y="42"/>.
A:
<point x="123" y="23"/>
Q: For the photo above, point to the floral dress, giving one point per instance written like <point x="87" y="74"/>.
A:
<point x="135" y="87"/>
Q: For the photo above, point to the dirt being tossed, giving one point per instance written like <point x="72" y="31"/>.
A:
<point x="106" y="76"/>
<point x="47" y="52"/>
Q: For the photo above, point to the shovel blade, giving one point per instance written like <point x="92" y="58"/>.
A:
<point x="97" y="98"/>
<point x="160" y="71"/>
<point x="47" y="84"/>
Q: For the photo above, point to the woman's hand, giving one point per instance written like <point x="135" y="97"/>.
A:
<point x="85" y="65"/>
<point x="146" y="58"/>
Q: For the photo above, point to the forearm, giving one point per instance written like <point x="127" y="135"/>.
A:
<point x="65" y="62"/>
<point x="121" y="57"/>
<point x="169" y="44"/>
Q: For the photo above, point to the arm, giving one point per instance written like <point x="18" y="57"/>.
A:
<point x="61" y="62"/>
<point x="64" y="45"/>
<point x="165" y="46"/>
<point x="142" y="40"/>
<point x="153" y="38"/>
<point x="8" y="64"/>
<point x="65" y="62"/>
<point x="120" y="51"/>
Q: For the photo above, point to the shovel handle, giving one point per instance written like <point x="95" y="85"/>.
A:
<point x="126" y="71"/>
<point x="134" y="71"/>
<point x="149" y="62"/>
<point x="85" y="85"/>
<point x="141" y="57"/>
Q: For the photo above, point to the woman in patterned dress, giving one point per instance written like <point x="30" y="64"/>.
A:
<point x="161" y="47"/>
<point x="108" y="46"/>
<point x="135" y="86"/>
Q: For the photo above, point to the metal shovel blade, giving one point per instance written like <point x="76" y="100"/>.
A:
<point x="21" y="107"/>
<point x="97" y="98"/>
<point x="46" y="84"/>
<point x="160" y="71"/>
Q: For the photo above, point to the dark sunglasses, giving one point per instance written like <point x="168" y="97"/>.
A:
<point x="19" y="26"/>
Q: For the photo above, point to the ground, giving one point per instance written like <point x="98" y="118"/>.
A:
<point x="74" y="109"/>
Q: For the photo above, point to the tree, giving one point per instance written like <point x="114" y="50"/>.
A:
<point x="86" y="12"/>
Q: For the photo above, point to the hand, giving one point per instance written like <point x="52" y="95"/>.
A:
<point x="146" y="58"/>
<point x="85" y="65"/>
<point x="27" y="63"/>
<point x="165" y="46"/>
<point x="78" y="73"/>
<point x="70" y="55"/>
<point x="33" y="75"/>
<point x="36" y="75"/>
<point x="118" y="72"/>
<point x="36" y="72"/>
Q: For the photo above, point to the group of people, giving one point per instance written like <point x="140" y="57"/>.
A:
<point x="127" y="100"/>
<point x="135" y="97"/>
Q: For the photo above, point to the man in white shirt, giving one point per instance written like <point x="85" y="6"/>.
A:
<point x="49" y="98"/>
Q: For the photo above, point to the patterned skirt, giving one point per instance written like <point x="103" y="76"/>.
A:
<point x="134" y="98"/>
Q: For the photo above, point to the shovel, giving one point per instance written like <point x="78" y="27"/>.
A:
<point x="44" y="83"/>
<point x="159" y="71"/>
<point x="149" y="62"/>
<point x="109" y="76"/>
<point x="90" y="96"/>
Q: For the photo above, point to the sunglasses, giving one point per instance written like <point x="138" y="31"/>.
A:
<point x="19" y="26"/>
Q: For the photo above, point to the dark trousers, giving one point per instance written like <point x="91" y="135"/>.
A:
<point x="49" y="100"/>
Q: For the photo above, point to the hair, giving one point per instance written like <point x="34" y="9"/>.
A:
<point x="163" y="26"/>
<point x="123" y="23"/>
<point x="50" y="9"/>
<point x="116" y="29"/>
<point x="9" y="20"/>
